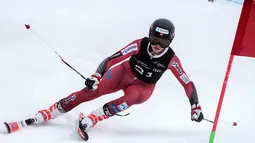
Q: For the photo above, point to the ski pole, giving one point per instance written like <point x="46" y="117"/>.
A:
<point x="221" y="121"/>
<point x="28" y="27"/>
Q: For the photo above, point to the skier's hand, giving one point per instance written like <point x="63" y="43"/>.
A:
<point x="93" y="81"/>
<point x="196" y="113"/>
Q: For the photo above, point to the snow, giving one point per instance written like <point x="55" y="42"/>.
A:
<point x="32" y="77"/>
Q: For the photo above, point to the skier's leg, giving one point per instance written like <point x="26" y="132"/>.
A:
<point x="134" y="94"/>
<point x="109" y="84"/>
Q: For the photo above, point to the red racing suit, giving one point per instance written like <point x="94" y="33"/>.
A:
<point x="136" y="76"/>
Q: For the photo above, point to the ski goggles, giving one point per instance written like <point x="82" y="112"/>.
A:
<point x="164" y="43"/>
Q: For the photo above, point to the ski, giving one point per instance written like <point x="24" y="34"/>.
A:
<point x="83" y="134"/>
<point x="8" y="127"/>
<point x="18" y="125"/>
<point x="80" y="129"/>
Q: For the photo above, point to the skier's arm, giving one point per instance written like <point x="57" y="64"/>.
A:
<point x="178" y="71"/>
<point x="129" y="50"/>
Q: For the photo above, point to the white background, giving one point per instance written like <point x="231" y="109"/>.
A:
<point x="84" y="32"/>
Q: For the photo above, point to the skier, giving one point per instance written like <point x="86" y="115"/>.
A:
<point x="149" y="57"/>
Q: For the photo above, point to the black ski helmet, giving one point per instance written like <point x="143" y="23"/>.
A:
<point x="164" y="29"/>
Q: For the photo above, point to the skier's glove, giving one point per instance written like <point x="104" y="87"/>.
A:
<point x="196" y="113"/>
<point x="93" y="81"/>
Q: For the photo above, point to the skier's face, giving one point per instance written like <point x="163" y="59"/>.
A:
<point x="157" y="48"/>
